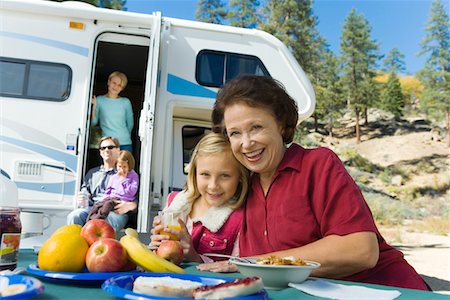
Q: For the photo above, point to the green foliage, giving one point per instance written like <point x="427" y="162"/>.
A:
<point x="435" y="76"/>
<point x="394" y="62"/>
<point x="244" y="13"/>
<point x="385" y="210"/>
<point x="329" y="99"/>
<point x="353" y="159"/>
<point x="359" y="58"/>
<point x="293" y="22"/>
<point x="392" y="99"/>
<point x="210" y="11"/>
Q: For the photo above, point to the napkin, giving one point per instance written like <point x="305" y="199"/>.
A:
<point x="326" y="289"/>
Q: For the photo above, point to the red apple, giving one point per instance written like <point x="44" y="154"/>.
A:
<point x="106" y="255"/>
<point x="96" y="229"/>
<point x="171" y="251"/>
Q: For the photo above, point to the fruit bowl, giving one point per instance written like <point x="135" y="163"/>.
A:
<point x="275" y="276"/>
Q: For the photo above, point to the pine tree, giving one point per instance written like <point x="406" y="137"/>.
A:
<point x="244" y="13"/>
<point x="210" y="11"/>
<point x="436" y="74"/>
<point x="329" y="99"/>
<point x="392" y="98"/>
<point x="359" y="61"/>
<point x="293" y="22"/>
<point x="394" y="62"/>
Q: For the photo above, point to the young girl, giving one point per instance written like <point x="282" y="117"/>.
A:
<point x="209" y="205"/>
<point x="122" y="187"/>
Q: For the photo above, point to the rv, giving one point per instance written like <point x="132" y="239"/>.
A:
<point x="55" y="56"/>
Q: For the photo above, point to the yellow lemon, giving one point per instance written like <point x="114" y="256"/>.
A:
<point x="74" y="228"/>
<point x="64" y="252"/>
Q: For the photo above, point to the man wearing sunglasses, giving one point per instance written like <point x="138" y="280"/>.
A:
<point x="96" y="181"/>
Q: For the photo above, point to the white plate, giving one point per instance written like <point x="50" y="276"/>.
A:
<point x="275" y="276"/>
<point x="33" y="286"/>
<point x="122" y="286"/>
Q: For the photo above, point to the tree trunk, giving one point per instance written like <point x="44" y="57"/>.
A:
<point x="357" y="129"/>
<point x="366" y="117"/>
<point x="316" y="125"/>
<point x="447" y="120"/>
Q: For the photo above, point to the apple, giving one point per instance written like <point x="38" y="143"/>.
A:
<point x="95" y="229"/>
<point x="106" y="255"/>
<point x="171" y="251"/>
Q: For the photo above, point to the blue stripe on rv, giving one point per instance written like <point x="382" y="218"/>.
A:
<point x="65" y="188"/>
<point x="179" y="86"/>
<point x="69" y="159"/>
<point x="48" y="42"/>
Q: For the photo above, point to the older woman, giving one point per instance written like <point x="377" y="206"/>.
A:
<point x="302" y="202"/>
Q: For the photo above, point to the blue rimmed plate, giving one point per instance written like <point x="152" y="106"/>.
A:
<point x="33" y="286"/>
<point x="85" y="277"/>
<point x="122" y="286"/>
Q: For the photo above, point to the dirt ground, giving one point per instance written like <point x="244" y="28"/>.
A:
<point x="428" y="253"/>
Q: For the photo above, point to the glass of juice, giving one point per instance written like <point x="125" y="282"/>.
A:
<point x="170" y="220"/>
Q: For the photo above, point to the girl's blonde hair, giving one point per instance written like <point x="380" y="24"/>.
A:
<point x="123" y="78"/>
<point x="210" y="144"/>
<point x="125" y="156"/>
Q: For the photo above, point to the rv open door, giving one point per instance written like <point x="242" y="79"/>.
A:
<point x="149" y="191"/>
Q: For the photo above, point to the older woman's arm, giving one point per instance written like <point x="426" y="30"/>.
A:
<point x="339" y="256"/>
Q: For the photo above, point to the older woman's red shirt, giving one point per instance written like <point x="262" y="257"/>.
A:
<point x="312" y="196"/>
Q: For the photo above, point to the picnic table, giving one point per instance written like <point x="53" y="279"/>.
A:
<point x="65" y="291"/>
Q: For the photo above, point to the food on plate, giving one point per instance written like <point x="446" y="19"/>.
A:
<point x="236" y="288"/>
<point x="95" y="229"/>
<point x="64" y="252"/>
<point x="144" y="257"/>
<point x="281" y="261"/>
<point x="171" y="251"/>
<point x="106" y="255"/>
<point x="13" y="289"/>
<point x="165" y="286"/>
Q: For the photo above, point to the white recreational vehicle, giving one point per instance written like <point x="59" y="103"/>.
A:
<point x="55" y="56"/>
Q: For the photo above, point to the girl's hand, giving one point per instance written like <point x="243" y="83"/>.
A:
<point x="189" y="251"/>
<point x="122" y="207"/>
<point x="223" y="266"/>
<point x="156" y="238"/>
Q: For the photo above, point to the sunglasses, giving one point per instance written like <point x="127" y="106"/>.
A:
<point x="108" y="147"/>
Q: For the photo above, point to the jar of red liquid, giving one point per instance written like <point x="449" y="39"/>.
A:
<point x="10" y="229"/>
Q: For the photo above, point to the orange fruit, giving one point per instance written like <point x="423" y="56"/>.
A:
<point x="63" y="252"/>
<point x="75" y="228"/>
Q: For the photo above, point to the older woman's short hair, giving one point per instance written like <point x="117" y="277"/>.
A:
<point x="257" y="91"/>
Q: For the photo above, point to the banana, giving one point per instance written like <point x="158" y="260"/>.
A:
<point x="145" y="258"/>
<point x="132" y="232"/>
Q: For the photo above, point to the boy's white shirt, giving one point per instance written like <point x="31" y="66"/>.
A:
<point x="213" y="219"/>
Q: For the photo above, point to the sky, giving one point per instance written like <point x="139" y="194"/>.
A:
<point x="395" y="23"/>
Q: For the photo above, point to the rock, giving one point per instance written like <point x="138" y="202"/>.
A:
<point x="397" y="180"/>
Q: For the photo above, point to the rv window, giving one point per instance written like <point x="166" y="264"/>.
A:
<point x="191" y="136"/>
<point x="34" y="80"/>
<point x="214" y="68"/>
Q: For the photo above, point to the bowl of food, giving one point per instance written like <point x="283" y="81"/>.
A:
<point x="276" y="272"/>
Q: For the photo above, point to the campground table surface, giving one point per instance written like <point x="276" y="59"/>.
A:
<point x="89" y="292"/>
